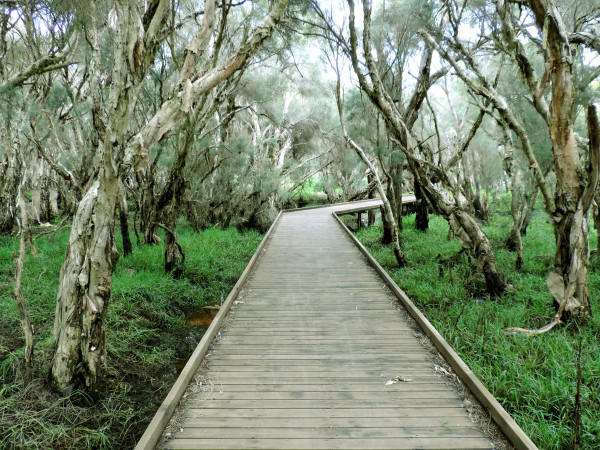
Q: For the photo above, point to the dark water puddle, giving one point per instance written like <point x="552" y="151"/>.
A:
<point x="200" y="321"/>
<point x="203" y="317"/>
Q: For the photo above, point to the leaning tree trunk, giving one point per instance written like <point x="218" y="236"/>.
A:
<point x="387" y="210"/>
<point x="395" y="194"/>
<point x="387" y="207"/>
<point x="465" y="229"/>
<point x="471" y="236"/>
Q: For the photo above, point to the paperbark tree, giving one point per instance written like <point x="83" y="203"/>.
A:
<point x="24" y="316"/>
<point x="567" y="280"/>
<point x="464" y="226"/>
<point x="85" y="279"/>
<point x="520" y="193"/>
<point x="85" y="284"/>
<point x="387" y="209"/>
<point x="10" y="169"/>
<point x="569" y="207"/>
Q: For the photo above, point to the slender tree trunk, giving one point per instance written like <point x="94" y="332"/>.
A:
<point x="123" y="215"/>
<point x="37" y="187"/>
<point x="9" y="184"/>
<point x="386" y="239"/>
<point x="466" y="184"/>
<point x="18" y="296"/>
<point x="422" y="215"/>
<point x="530" y="208"/>
<point x="53" y="197"/>
<point x="596" y="214"/>
<point x="388" y="232"/>
<point x="518" y="209"/>
<point x="370" y="195"/>
<point x="514" y="242"/>
<point x="387" y="206"/>
<point x="175" y="191"/>
<point x="480" y="204"/>
<point x="149" y="210"/>
<point x="395" y="194"/>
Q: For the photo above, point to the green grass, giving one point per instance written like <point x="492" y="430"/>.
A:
<point x="146" y="338"/>
<point x="309" y="194"/>
<point x="535" y="378"/>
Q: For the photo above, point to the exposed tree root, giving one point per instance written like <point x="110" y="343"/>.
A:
<point x="533" y="332"/>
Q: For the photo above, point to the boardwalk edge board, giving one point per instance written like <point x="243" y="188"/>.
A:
<point x="164" y="413"/>
<point x="505" y="422"/>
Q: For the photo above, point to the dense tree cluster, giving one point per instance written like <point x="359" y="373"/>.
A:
<point x="408" y="57"/>
<point x="223" y="112"/>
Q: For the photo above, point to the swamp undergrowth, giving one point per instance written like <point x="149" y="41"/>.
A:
<point x="146" y="332"/>
<point x="534" y="378"/>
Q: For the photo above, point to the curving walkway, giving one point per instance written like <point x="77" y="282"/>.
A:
<point x="316" y="354"/>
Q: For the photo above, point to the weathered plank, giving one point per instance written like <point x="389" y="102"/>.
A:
<point x="327" y="432"/>
<point x="331" y="422"/>
<point x="348" y="443"/>
<point x="419" y="388"/>
<point x="424" y="414"/>
<point x="298" y="394"/>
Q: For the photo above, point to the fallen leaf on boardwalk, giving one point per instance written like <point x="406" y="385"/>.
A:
<point x="441" y="369"/>
<point x="396" y="379"/>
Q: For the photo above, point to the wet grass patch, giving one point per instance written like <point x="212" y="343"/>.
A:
<point x="534" y="378"/>
<point x="147" y="338"/>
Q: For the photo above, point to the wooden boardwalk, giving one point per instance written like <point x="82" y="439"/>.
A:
<point x="316" y="353"/>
